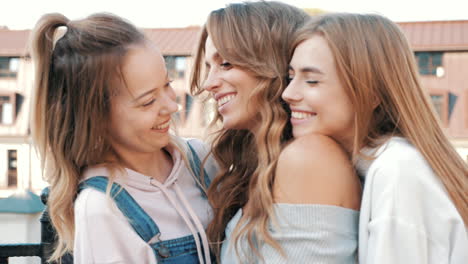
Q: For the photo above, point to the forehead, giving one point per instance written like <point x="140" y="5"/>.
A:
<point x="210" y="50"/>
<point x="143" y="67"/>
<point x="314" y="50"/>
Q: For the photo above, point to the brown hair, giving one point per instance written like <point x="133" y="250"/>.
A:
<point x="377" y="67"/>
<point x="71" y="104"/>
<point x="254" y="36"/>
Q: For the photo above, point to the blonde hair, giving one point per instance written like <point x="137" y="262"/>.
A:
<point x="71" y="103"/>
<point x="254" y="36"/>
<point x="377" y="67"/>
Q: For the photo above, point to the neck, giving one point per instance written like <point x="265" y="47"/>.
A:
<point x="157" y="164"/>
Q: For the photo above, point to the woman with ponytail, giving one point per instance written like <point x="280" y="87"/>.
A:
<point x="123" y="189"/>
<point x="354" y="79"/>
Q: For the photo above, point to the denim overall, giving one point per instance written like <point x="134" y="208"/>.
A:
<point x="178" y="250"/>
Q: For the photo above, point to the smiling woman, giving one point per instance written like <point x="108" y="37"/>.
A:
<point x="231" y="87"/>
<point x="141" y="110"/>
<point x="266" y="209"/>
<point x="123" y="189"/>
<point x="367" y="97"/>
<point x="315" y="95"/>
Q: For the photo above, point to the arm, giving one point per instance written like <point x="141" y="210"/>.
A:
<point x="407" y="216"/>
<point x="103" y="235"/>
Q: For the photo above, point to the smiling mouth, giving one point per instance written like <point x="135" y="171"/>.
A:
<point x="225" y="99"/>
<point x="162" y="126"/>
<point x="301" y="115"/>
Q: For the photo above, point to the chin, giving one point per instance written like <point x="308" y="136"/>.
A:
<point x="301" y="132"/>
<point x="228" y="123"/>
<point x="297" y="134"/>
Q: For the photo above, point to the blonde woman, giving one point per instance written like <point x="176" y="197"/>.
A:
<point x="261" y="213"/>
<point x="354" y="79"/>
<point x="102" y="113"/>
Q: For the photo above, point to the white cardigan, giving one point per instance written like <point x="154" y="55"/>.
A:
<point x="406" y="214"/>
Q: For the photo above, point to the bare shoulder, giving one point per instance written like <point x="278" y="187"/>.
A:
<point x="314" y="169"/>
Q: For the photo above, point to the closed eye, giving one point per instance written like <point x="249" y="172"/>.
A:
<point x="226" y="65"/>
<point x="312" y="82"/>
<point x="149" y="103"/>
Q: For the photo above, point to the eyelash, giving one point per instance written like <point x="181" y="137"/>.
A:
<point x="167" y="85"/>
<point x="149" y="103"/>
<point x="290" y="78"/>
<point x="226" y="65"/>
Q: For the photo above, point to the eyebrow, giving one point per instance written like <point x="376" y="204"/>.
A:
<point x="150" y="91"/>
<point x="215" y="56"/>
<point x="309" y="69"/>
<point x="144" y="94"/>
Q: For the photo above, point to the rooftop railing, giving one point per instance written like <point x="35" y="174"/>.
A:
<point x="44" y="249"/>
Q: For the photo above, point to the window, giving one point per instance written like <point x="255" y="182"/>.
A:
<point x="12" y="168"/>
<point x="188" y="104"/>
<point x="176" y="66"/>
<point x="430" y="63"/>
<point x="9" y="67"/>
<point x="10" y="106"/>
<point x="7" y="115"/>
<point x="439" y="100"/>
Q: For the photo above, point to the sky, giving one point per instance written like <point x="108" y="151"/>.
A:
<point x="23" y="14"/>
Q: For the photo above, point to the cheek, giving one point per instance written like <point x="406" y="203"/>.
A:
<point x="315" y="98"/>
<point x="245" y="83"/>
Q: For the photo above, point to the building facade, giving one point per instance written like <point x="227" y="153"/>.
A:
<point x="441" y="50"/>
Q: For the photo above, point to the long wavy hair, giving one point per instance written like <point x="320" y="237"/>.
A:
<point x="376" y="66"/>
<point x="256" y="37"/>
<point x="71" y="103"/>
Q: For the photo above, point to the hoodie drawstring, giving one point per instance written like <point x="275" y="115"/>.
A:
<point x="193" y="219"/>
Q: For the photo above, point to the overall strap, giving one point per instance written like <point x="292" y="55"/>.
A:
<point x="141" y="222"/>
<point x="195" y="164"/>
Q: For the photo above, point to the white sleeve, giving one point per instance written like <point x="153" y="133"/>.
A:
<point x="103" y="234"/>
<point x="393" y="241"/>
<point x="412" y="218"/>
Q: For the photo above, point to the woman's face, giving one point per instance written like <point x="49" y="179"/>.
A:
<point x="231" y="87"/>
<point x="141" y="111"/>
<point x="317" y="99"/>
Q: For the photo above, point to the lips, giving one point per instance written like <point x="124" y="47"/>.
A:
<point x="163" y="126"/>
<point x="301" y="115"/>
<point x="222" y="99"/>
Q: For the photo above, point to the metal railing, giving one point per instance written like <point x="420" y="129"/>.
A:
<point x="42" y="250"/>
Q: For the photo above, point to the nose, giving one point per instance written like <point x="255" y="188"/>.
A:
<point x="292" y="93"/>
<point x="212" y="80"/>
<point x="169" y="104"/>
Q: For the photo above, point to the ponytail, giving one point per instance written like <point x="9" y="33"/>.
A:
<point x="71" y="106"/>
<point x="42" y="46"/>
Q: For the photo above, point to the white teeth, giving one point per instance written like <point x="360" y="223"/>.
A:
<point x="162" y="126"/>
<point x="225" y="99"/>
<point x="300" y="115"/>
